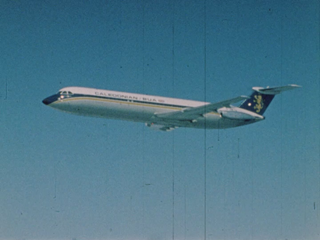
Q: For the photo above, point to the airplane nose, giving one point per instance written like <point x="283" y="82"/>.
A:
<point x="50" y="99"/>
<point x="45" y="101"/>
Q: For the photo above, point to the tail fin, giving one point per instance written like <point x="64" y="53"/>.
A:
<point x="262" y="97"/>
<point x="257" y="102"/>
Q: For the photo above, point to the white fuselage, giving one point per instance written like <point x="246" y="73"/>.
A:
<point x="134" y="107"/>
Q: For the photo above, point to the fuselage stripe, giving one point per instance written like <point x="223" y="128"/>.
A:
<point x="76" y="97"/>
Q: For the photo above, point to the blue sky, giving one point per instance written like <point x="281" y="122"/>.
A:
<point x="71" y="177"/>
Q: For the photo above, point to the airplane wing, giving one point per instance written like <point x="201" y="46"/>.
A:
<point x="192" y="113"/>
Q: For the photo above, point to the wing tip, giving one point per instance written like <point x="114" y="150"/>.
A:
<point x="244" y="97"/>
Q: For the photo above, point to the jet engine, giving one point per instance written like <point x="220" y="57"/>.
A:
<point x="239" y="114"/>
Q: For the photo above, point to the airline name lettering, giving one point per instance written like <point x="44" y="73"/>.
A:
<point x="129" y="97"/>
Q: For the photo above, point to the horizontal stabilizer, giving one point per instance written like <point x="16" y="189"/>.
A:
<point x="261" y="97"/>
<point x="275" y="90"/>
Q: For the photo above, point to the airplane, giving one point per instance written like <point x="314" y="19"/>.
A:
<point x="163" y="113"/>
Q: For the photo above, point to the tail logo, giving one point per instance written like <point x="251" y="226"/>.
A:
<point x="259" y="103"/>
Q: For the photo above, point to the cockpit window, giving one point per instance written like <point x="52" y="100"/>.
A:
<point x="65" y="93"/>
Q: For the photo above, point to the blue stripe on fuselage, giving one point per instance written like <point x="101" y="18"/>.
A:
<point x="59" y="97"/>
